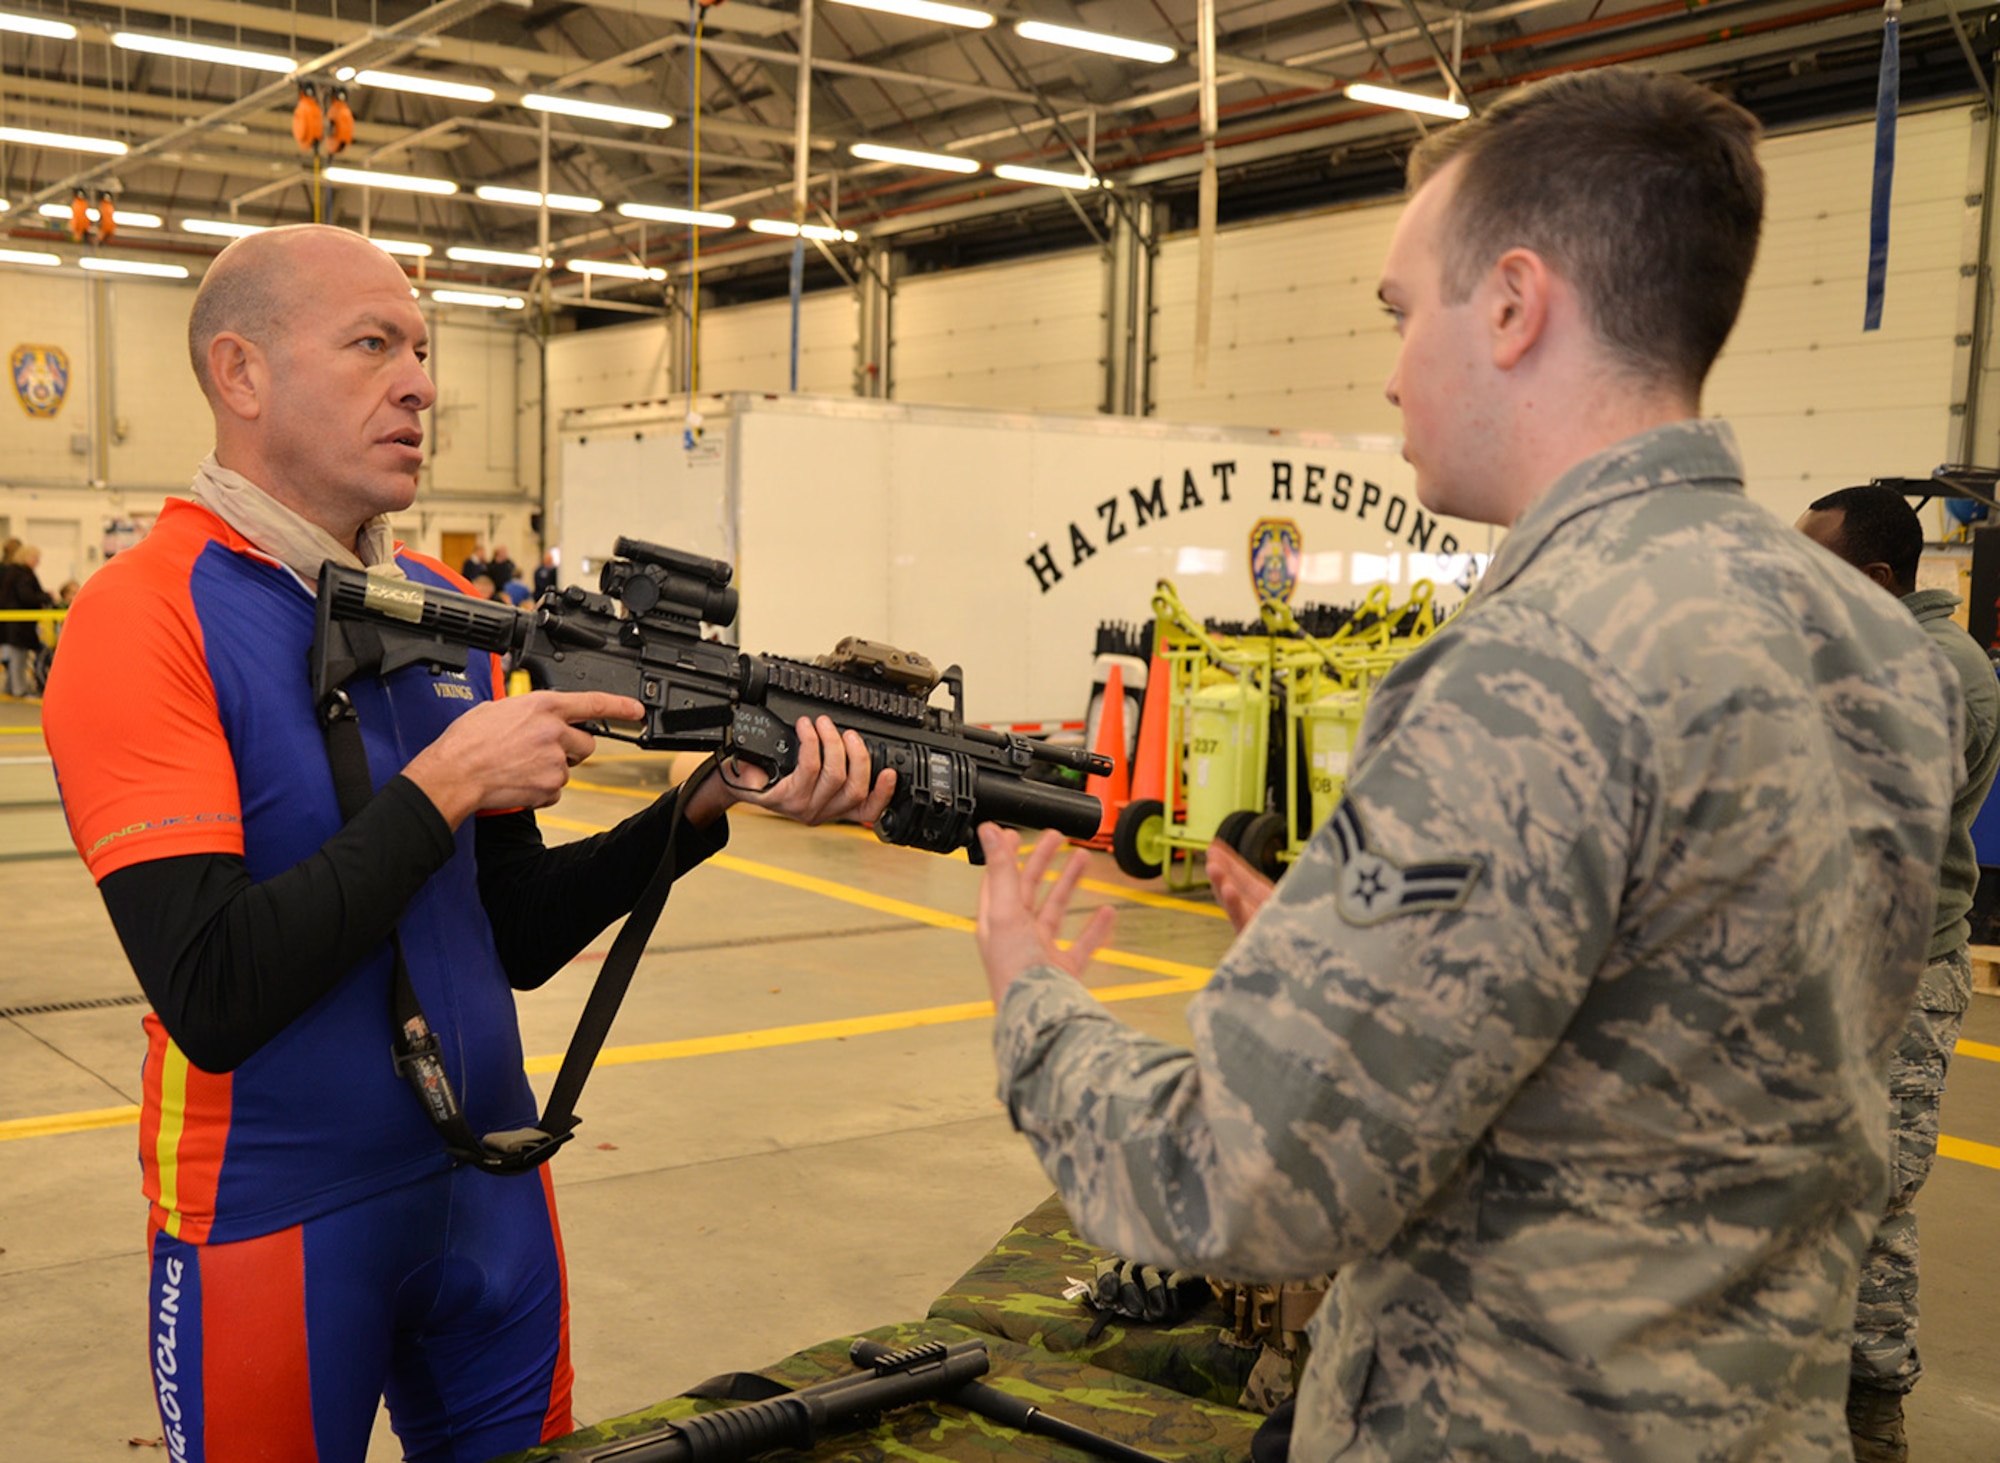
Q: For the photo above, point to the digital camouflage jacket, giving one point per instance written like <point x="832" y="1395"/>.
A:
<point x="1563" y="1039"/>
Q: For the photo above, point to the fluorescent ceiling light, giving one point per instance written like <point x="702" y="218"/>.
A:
<point x="429" y="86"/>
<point x="659" y="214"/>
<point x="133" y="266"/>
<point x="25" y="256"/>
<point x="119" y="216"/>
<point x="1046" y="178"/>
<point x="29" y="137"/>
<point x="927" y="10"/>
<point x="221" y="228"/>
<point x="1408" y="101"/>
<point x="596" y="111"/>
<point x="1090" y="40"/>
<point x="876" y="153"/>
<point x="786" y="230"/>
<point x="35" y="25"/>
<point x="127" y="40"/>
<point x="401" y="182"/>
<point x="497" y="256"/>
<point x="529" y="198"/>
<point x="484" y="302"/>
<point x="403" y="246"/>
<point x="615" y="270"/>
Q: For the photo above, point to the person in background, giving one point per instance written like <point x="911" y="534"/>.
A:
<point x="545" y="574"/>
<point x="514" y="592"/>
<point x="500" y="568"/>
<point x="21" y="640"/>
<point x="475" y="566"/>
<point x="1877" y="531"/>
<point x="1562" y="1041"/>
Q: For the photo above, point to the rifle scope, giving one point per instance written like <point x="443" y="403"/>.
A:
<point x="651" y="578"/>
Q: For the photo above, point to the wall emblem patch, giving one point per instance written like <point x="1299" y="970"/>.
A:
<point x="41" y="378"/>
<point x="1370" y="888"/>
<point x="1276" y="547"/>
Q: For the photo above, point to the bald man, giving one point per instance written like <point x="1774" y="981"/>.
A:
<point x="314" y="1248"/>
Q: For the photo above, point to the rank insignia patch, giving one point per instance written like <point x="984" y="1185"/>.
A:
<point x="1370" y="888"/>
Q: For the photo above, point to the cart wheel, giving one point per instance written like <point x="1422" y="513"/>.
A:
<point x="1138" y="839"/>
<point x="1230" y="829"/>
<point x="1264" y="838"/>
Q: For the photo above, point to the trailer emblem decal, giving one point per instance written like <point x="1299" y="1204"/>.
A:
<point x="41" y="378"/>
<point x="1276" y="548"/>
<point x="1370" y="888"/>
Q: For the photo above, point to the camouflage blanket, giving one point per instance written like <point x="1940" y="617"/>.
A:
<point x="1167" y="1425"/>
<point x="1016" y="1293"/>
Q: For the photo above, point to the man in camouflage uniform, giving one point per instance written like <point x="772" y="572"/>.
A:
<point x="1563" y="1039"/>
<point x="1876" y="530"/>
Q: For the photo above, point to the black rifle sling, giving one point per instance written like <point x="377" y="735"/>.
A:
<point x="418" y="1054"/>
<point x="615" y="976"/>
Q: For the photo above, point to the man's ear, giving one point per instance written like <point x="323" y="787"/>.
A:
<point x="1883" y="575"/>
<point x="240" y="375"/>
<point x="1517" y="288"/>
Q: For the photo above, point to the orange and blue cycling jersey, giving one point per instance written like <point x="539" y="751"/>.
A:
<point x="182" y="723"/>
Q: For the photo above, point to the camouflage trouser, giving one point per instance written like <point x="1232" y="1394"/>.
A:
<point x="1885" y="1323"/>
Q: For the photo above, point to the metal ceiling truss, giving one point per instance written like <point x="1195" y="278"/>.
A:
<point x="976" y="93"/>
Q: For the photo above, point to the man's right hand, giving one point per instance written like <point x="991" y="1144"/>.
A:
<point x="513" y="753"/>
<point x="1240" y="889"/>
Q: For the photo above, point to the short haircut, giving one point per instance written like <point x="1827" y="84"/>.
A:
<point x="244" y="295"/>
<point x="1641" y="189"/>
<point x="1877" y="526"/>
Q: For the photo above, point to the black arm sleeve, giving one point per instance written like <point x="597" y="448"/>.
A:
<point x="546" y="904"/>
<point x="228" y="963"/>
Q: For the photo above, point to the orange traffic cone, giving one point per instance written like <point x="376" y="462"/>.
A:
<point x="1116" y="790"/>
<point x="1149" y="775"/>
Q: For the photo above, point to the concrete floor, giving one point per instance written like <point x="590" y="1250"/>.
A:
<point x="725" y="1203"/>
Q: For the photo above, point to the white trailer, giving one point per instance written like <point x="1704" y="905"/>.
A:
<point x="997" y="540"/>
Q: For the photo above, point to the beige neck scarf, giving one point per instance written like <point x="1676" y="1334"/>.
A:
<point x="296" y="542"/>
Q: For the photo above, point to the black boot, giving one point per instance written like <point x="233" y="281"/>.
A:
<point x="1875" y="1419"/>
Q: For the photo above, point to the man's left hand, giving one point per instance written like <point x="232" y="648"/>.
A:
<point x="830" y="781"/>
<point x="1018" y="927"/>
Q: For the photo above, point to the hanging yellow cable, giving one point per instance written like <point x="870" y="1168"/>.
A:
<point x="694" y="204"/>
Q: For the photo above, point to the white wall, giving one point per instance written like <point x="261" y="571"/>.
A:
<point x="1027" y="336"/>
<point x="1816" y="403"/>
<point x="160" y="426"/>
<point x="1298" y="339"/>
<point x="749" y="347"/>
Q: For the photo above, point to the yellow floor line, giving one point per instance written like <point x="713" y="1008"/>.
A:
<point x="1966" y="1151"/>
<point x="745" y="1041"/>
<point x="69" y="1122"/>
<point x="1984" y="1051"/>
<point x="901" y="908"/>
<point x="1095" y="886"/>
<point x="666" y="1051"/>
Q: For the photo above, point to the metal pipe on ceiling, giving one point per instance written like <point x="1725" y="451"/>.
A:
<point x="436" y="17"/>
<point x="240" y="16"/>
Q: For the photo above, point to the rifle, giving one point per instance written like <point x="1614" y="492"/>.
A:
<point x="640" y="636"/>
<point x="930" y="1372"/>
